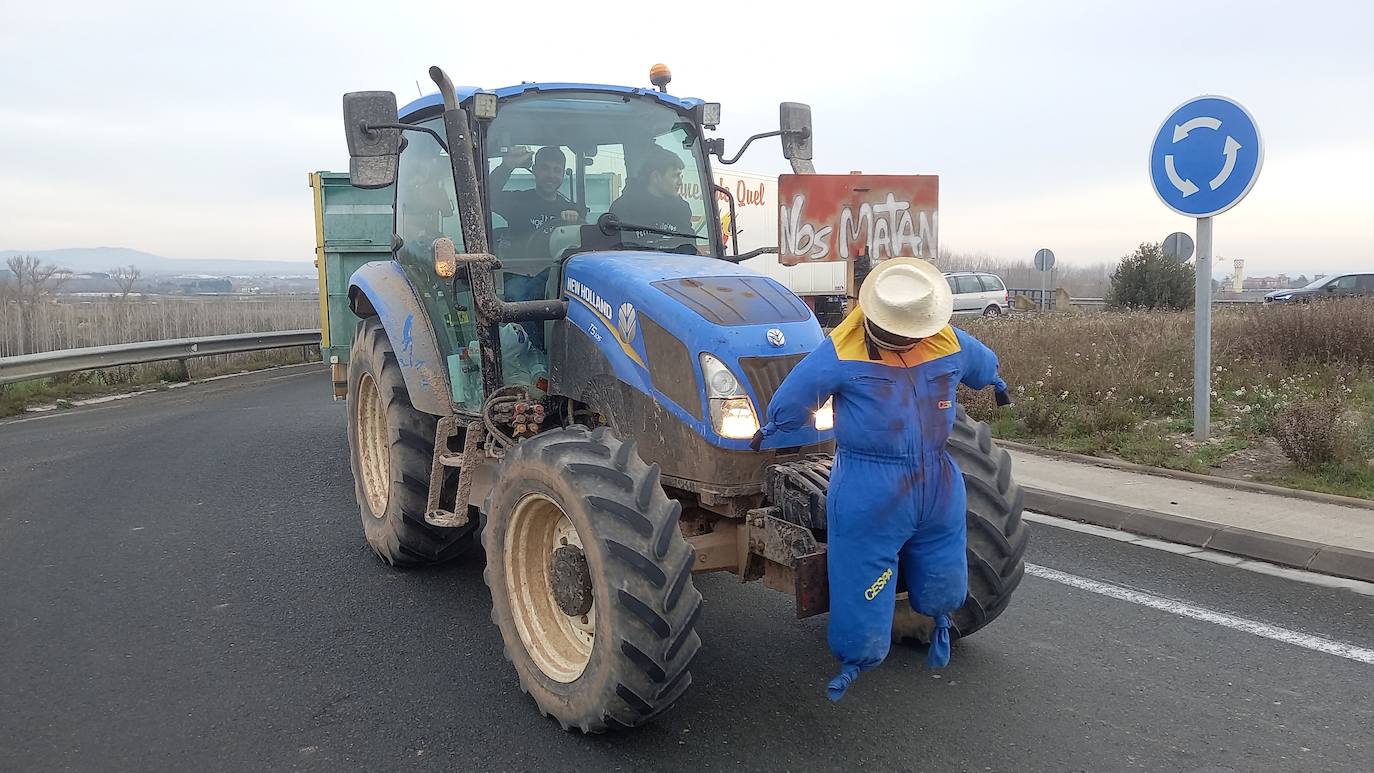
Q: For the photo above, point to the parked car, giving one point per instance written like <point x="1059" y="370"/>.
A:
<point x="978" y="293"/>
<point x="1338" y="286"/>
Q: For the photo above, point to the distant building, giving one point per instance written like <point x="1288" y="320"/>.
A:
<point x="193" y="285"/>
<point x="1280" y="282"/>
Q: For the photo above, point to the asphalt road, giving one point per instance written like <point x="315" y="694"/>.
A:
<point x="185" y="588"/>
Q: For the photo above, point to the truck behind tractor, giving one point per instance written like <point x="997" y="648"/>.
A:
<point x="580" y="396"/>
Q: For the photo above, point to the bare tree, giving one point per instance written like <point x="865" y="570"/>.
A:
<point x="126" y="277"/>
<point x="1081" y="280"/>
<point x="33" y="281"/>
<point x="7" y="296"/>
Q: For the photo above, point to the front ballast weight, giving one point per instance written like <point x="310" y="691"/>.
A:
<point x="788" y="558"/>
<point x="782" y="543"/>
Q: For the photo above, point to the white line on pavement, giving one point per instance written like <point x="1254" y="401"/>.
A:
<point x="1262" y="567"/>
<point x="1307" y="641"/>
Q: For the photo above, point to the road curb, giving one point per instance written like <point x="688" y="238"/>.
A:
<point x="1334" y="560"/>
<point x="1193" y="477"/>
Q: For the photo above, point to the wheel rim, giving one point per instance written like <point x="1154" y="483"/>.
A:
<point x="992" y="311"/>
<point x="374" y="454"/>
<point x="559" y="644"/>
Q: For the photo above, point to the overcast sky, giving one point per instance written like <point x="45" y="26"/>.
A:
<point x="187" y="129"/>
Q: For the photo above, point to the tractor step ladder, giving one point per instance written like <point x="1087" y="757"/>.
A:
<point x="444" y="459"/>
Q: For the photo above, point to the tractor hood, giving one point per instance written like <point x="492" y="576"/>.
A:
<point x="654" y="314"/>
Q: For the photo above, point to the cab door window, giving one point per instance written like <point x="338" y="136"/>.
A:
<point x="426" y="209"/>
<point x="425" y="205"/>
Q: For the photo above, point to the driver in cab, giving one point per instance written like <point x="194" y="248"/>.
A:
<point x="529" y="213"/>
<point x="543" y="206"/>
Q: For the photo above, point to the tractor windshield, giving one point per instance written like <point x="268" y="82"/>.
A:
<point x="556" y="161"/>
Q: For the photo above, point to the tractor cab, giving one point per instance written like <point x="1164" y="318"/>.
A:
<point x="556" y="159"/>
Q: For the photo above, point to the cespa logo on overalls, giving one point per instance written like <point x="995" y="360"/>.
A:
<point x="878" y="585"/>
<point x="587" y="294"/>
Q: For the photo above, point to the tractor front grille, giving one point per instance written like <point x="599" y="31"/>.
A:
<point x="765" y="375"/>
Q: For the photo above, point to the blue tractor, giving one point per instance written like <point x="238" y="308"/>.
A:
<point x="560" y="360"/>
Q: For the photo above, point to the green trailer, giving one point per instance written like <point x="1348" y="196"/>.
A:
<point x="352" y="227"/>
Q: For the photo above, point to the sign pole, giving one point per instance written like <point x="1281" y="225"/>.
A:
<point x="1044" y="263"/>
<point x="851" y="291"/>
<point x="1202" y="333"/>
<point x="1192" y="140"/>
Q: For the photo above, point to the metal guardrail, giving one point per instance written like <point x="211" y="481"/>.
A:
<point x="1094" y="302"/>
<point x="30" y="366"/>
<point x="1037" y="296"/>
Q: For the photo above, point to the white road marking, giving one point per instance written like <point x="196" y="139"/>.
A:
<point x="1262" y="567"/>
<point x="1306" y="641"/>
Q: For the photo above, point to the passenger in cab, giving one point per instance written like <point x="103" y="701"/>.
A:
<point x="652" y="198"/>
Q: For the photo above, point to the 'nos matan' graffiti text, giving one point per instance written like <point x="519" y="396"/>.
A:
<point x="889" y="228"/>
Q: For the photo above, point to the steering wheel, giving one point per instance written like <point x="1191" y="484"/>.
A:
<point x="550" y="239"/>
<point x="536" y="245"/>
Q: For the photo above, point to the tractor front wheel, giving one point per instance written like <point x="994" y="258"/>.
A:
<point x="590" y="580"/>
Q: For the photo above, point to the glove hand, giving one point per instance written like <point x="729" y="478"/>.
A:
<point x="1002" y="397"/>
<point x="757" y="442"/>
<point x="518" y="157"/>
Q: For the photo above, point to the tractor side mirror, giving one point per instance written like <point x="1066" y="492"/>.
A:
<point x="373" y="151"/>
<point x="794" y="118"/>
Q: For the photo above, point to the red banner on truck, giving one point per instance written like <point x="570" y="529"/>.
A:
<point x="833" y="217"/>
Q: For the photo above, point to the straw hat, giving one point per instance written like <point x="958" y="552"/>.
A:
<point x="908" y="297"/>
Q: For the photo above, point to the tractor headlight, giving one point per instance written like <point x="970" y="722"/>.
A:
<point x="732" y="413"/>
<point x="735" y="418"/>
<point x="720" y="382"/>
<point x="825" y="416"/>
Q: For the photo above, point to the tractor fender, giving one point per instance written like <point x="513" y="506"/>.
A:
<point x="381" y="289"/>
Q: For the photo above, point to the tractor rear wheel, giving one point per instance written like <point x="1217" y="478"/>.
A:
<point x="590" y="580"/>
<point x="390" y="446"/>
<point x="997" y="536"/>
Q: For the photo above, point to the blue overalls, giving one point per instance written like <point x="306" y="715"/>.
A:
<point x="896" y="498"/>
